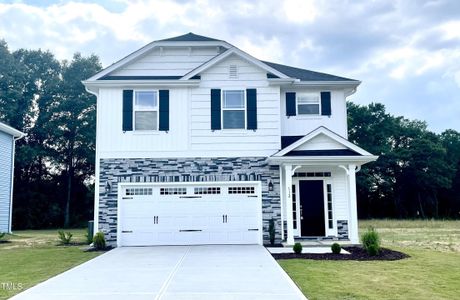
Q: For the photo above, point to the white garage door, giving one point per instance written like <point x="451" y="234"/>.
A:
<point x="190" y="214"/>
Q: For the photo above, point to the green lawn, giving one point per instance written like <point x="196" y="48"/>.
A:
<point x="33" y="256"/>
<point x="432" y="272"/>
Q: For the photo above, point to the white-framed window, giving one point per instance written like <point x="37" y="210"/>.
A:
<point x="145" y="110"/>
<point x="233" y="109"/>
<point x="308" y="104"/>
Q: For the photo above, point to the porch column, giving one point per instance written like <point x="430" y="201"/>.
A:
<point x="353" y="226"/>
<point x="288" y="199"/>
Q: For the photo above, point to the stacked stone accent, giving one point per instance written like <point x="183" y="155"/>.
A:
<point x="342" y="229"/>
<point x="114" y="171"/>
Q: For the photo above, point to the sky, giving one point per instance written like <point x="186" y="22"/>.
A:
<point x="406" y="53"/>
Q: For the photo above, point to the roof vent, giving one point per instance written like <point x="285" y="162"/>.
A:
<point x="233" y="71"/>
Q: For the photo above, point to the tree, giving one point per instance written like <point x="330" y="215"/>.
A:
<point x="416" y="168"/>
<point x="73" y="121"/>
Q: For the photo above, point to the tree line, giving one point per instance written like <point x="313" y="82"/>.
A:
<point x="54" y="165"/>
<point x="417" y="173"/>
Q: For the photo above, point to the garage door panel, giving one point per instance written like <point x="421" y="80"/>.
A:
<point x="219" y="218"/>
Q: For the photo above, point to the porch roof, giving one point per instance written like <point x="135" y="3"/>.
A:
<point x="320" y="146"/>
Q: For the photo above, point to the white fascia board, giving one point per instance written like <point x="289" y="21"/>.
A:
<point x="239" y="53"/>
<point x="321" y="160"/>
<point x="322" y="130"/>
<point x="353" y="83"/>
<point x="138" y="83"/>
<point x="149" y="47"/>
<point x="11" y="131"/>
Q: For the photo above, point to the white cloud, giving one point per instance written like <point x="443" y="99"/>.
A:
<point x="300" y="11"/>
<point x="393" y="47"/>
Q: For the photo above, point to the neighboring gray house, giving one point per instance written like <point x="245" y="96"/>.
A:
<point x="8" y="136"/>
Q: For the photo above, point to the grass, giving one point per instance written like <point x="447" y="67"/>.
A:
<point x="432" y="271"/>
<point x="33" y="256"/>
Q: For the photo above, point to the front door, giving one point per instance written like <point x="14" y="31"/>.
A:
<point x="312" y="208"/>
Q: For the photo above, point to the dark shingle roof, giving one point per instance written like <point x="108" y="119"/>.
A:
<point x="305" y="75"/>
<point x="189" y="37"/>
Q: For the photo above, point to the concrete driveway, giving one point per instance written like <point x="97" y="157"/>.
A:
<point x="173" y="272"/>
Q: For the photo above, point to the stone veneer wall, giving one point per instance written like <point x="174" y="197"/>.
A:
<point x="342" y="229"/>
<point x="114" y="171"/>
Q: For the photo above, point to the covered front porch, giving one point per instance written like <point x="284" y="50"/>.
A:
<point x="318" y="189"/>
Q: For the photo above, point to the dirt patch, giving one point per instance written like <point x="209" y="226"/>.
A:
<point x="356" y="253"/>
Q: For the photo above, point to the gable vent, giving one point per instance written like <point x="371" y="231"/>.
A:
<point x="233" y="71"/>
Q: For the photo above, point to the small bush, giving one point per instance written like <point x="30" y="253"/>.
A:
<point x="271" y="231"/>
<point x="65" y="237"/>
<point x="99" y="241"/>
<point x="2" y="235"/>
<point x="336" y="248"/>
<point x="297" y="248"/>
<point x="371" y="241"/>
<point x="89" y="238"/>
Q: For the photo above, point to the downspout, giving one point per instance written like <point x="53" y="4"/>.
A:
<point x="96" y="172"/>
<point x="10" y="221"/>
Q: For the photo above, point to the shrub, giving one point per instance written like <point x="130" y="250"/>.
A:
<point x="89" y="238"/>
<point x="65" y="237"/>
<point x="371" y="241"/>
<point x="297" y="248"/>
<point x="336" y="248"/>
<point x="2" y="235"/>
<point x="99" y="241"/>
<point x="271" y="231"/>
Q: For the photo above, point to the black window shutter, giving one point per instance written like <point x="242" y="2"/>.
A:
<point x="251" y="108"/>
<point x="290" y="104"/>
<point x="215" y="109"/>
<point x="127" y="110"/>
<point x="326" y="103"/>
<point x="164" y="110"/>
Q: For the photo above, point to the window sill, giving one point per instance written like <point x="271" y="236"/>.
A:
<point x="309" y="117"/>
<point x="146" y="132"/>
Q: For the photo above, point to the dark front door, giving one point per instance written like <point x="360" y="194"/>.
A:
<point x="312" y="208"/>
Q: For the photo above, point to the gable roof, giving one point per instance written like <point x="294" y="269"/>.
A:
<point x="330" y="134"/>
<point x="275" y="72"/>
<point x="190" y="37"/>
<point x="306" y="75"/>
<point x="227" y="53"/>
<point x="11" y="131"/>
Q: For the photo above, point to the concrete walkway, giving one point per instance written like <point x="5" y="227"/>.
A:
<point x="172" y="272"/>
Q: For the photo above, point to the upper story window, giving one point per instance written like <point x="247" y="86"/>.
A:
<point x="308" y="104"/>
<point x="145" y="110"/>
<point x="233" y="109"/>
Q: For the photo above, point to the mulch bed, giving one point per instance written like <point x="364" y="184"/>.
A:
<point x="356" y="253"/>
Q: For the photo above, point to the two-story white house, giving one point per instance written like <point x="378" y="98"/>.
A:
<point x="198" y="142"/>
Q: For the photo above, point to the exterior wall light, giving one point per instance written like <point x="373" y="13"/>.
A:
<point x="270" y="186"/>
<point x="108" y="187"/>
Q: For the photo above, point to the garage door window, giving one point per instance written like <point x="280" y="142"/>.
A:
<point x="206" y="190"/>
<point x="241" y="190"/>
<point x="138" y="191"/>
<point x="173" y="191"/>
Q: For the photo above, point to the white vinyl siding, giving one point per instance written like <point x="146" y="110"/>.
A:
<point x="262" y="142"/>
<point x="168" y="61"/>
<point x="6" y="152"/>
